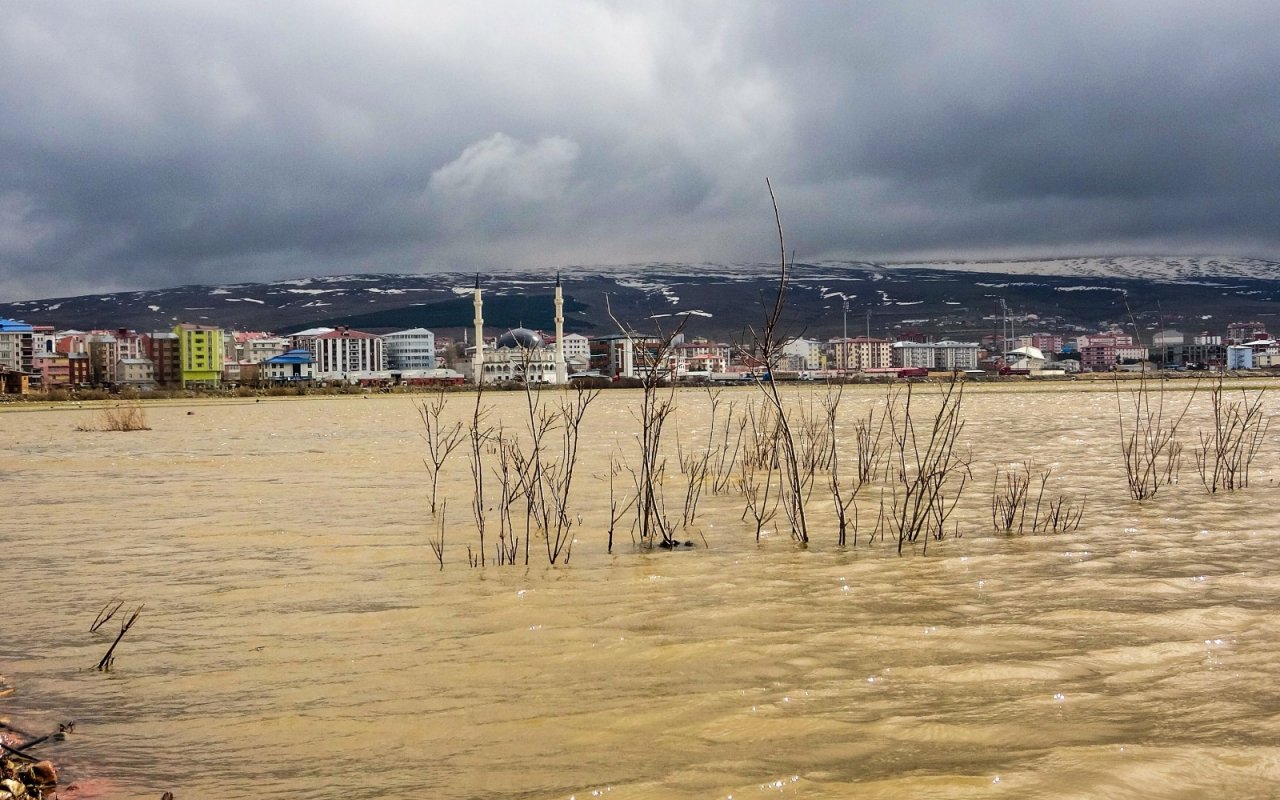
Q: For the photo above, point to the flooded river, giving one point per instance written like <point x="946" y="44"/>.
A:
<point x="299" y="639"/>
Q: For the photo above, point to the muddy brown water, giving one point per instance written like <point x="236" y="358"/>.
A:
<point x="299" y="640"/>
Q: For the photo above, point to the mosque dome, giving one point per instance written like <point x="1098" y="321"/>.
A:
<point x="522" y="338"/>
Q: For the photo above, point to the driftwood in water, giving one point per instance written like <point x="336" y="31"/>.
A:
<point x="108" y="611"/>
<point x="107" y="660"/>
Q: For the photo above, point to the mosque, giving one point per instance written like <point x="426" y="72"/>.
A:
<point x="520" y="354"/>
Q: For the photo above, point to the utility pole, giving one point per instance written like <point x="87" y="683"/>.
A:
<point x="846" y="318"/>
<point x="1004" y="329"/>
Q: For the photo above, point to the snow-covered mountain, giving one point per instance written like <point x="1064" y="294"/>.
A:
<point x="1148" y="268"/>
<point x="953" y="298"/>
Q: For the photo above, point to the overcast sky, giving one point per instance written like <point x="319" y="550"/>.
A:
<point x="148" y="144"/>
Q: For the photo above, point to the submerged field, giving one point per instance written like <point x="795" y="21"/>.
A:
<point x="300" y="639"/>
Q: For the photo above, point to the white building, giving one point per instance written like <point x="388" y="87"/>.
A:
<point x="577" y="347"/>
<point x="1030" y="358"/>
<point x="413" y="349"/>
<point x="1239" y="356"/>
<point x="344" y="354"/>
<point x="808" y="351"/>
<point x="290" y="367"/>
<point x="306" y="340"/>
<point x="945" y="355"/>
<point x="519" y="354"/>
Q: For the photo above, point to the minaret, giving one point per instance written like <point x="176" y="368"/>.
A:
<point x="562" y="369"/>
<point x="477" y="364"/>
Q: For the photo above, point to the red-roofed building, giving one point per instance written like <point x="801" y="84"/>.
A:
<point x="344" y="354"/>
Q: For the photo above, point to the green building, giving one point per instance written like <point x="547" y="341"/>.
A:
<point x="199" y="355"/>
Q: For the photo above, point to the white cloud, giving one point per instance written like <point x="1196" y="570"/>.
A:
<point x="501" y="171"/>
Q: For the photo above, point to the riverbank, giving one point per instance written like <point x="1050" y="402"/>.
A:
<point x="24" y="775"/>
<point x="1081" y="382"/>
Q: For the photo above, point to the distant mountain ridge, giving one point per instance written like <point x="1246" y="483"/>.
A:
<point x="940" y="298"/>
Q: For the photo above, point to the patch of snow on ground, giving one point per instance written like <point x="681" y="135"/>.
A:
<point x="220" y="291"/>
<point x="312" y="291"/>
<point x="649" y="288"/>
<point x="53" y="307"/>
<point x="697" y="312"/>
<point x="153" y="308"/>
<point x="1141" y="267"/>
<point x="349" y="279"/>
<point x="1087" y="289"/>
<point x="462" y="290"/>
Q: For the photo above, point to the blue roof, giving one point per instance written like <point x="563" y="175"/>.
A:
<point x="299" y="356"/>
<point x="14" y="326"/>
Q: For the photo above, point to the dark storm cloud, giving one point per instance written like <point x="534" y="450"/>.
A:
<point x="147" y="144"/>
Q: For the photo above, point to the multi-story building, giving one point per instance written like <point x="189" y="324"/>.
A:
<point x="54" y="370"/>
<point x="138" y="373"/>
<point x="699" y="355"/>
<point x="629" y="356"/>
<point x="861" y="353"/>
<point x="161" y="347"/>
<point x="78" y="372"/>
<point x="1241" y="332"/>
<point x="254" y="347"/>
<point x="200" y="355"/>
<point x="16" y="341"/>
<point x="413" y="349"/>
<point x="1101" y="352"/>
<point x="306" y="340"/>
<point x="107" y="348"/>
<point x="43" y="340"/>
<point x="1113" y="338"/>
<point x="913" y="355"/>
<point x="344" y="354"/>
<point x="104" y="352"/>
<point x="809" y="353"/>
<point x="71" y="342"/>
<point x="953" y="355"/>
<point x="945" y="355"/>
<point x="1207" y="353"/>
<point x="577" y="351"/>
<point x="1044" y="342"/>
